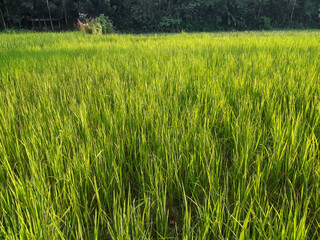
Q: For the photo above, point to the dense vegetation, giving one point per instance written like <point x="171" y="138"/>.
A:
<point x="169" y="15"/>
<point x="190" y="136"/>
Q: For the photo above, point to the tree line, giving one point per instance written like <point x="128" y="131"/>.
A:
<point x="167" y="15"/>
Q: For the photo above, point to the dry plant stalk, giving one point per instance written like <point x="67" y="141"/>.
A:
<point x="81" y="26"/>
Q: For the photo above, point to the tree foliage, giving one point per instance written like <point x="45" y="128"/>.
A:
<point x="170" y="15"/>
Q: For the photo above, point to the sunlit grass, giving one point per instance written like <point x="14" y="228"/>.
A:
<point x="183" y="136"/>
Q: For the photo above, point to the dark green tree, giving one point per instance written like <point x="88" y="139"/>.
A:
<point x="169" y="15"/>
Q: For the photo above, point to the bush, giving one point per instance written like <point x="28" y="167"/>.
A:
<point x="105" y="23"/>
<point x="94" y="28"/>
<point x="264" y="23"/>
<point x="98" y="25"/>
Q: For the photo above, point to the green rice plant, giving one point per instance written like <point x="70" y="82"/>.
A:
<point x="178" y="136"/>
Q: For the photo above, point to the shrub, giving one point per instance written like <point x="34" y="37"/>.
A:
<point x="105" y="23"/>
<point x="264" y="23"/>
<point x="94" y="28"/>
<point x="98" y="25"/>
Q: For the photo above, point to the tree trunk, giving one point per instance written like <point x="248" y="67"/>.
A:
<point x="5" y="5"/>
<point x="65" y="17"/>
<point x="65" y="13"/>
<point x="50" y="15"/>
<point x="4" y="22"/>
<point x="260" y="6"/>
<point x="293" y="7"/>
<point x="44" y="21"/>
<point x="168" y="7"/>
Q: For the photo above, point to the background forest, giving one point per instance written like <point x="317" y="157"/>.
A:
<point x="168" y="15"/>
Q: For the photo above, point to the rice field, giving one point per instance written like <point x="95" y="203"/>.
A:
<point x="182" y="136"/>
